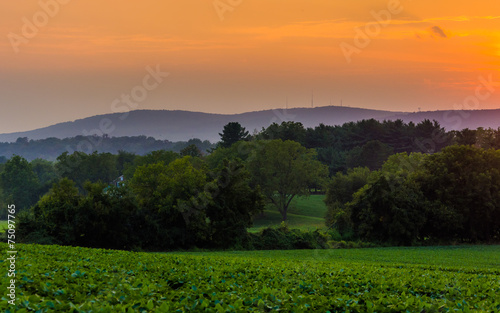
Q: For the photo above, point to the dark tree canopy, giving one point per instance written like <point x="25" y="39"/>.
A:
<point x="340" y="191"/>
<point x="233" y="206"/>
<point x="452" y="195"/>
<point x="285" y="131"/>
<point x="232" y="133"/>
<point x="465" y="181"/>
<point x="191" y="150"/>
<point x="81" y="167"/>
<point x="372" y="155"/>
<point x="19" y="185"/>
<point x="102" y="218"/>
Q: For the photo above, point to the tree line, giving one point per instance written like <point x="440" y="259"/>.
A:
<point x="50" y="148"/>
<point x="177" y="205"/>
<point x="171" y="200"/>
<point x="339" y="147"/>
<point x="168" y="200"/>
<point x="448" y="196"/>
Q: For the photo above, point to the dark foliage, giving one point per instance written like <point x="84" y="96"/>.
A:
<point x="449" y="196"/>
<point x="232" y="133"/>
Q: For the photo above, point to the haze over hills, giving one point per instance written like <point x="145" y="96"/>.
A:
<point x="184" y="125"/>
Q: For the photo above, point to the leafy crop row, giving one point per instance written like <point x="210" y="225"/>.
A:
<point x="66" y="279"/>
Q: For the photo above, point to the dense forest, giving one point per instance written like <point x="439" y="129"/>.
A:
<point x="385" y="182"/>
<point x="50" y="148"/>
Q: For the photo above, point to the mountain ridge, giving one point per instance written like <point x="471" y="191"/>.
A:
<point x="181" y="125"/>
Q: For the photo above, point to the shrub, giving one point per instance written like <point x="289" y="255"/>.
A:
<point x="282" y="238"/>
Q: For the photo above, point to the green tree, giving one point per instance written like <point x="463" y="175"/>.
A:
<point x="290" y="130"/>
<point x="191" y="150"/>
<point x="232" y="133"/>
<point x="81" y="167"/>
<point x="154" y="157"/>
<point x="124" y="159"/>
<point x="430" y="137"/>
<point x="343" y="186"/>
<point x="390" y="209"/>
<point x="53" y="216"/>
<point x="233" y="205"/>
<point x="372" y="155"/>
<point x="485" y="138"/>
<point x="404" y="163"/>
<point x="398" y="135"/>
<point x="465" y="181"/>
<point x="389" y="206"/>
<point x="334" y="158"/>
<point x="340" y="190"/>
<point x="284" y="170"/>
<point x="103" y="218"/>
<point x="465" y="137"/>
<point x="241" y="150"/>
<point x="44" y="170"/>
<point x="164" y="193"/>
<point x="106" y="217"/>
<point x="450" y="195"/>
<point x="46" y="174"/>
<point x="204" y="145"/>
<point x="19" y="184"/>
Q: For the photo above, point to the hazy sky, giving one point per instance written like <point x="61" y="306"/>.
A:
<point x="62" y="60"/>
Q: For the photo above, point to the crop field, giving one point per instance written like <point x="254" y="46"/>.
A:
<point x="305" y="213"/>
<point x="436" y="279"/>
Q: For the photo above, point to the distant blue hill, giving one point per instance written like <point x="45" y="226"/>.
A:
<point x="184" y="125"/>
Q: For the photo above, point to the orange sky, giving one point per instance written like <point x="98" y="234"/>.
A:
<point x="73" y="59"/>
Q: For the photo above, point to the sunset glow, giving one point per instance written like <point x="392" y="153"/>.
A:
<point x="63" y="60"/>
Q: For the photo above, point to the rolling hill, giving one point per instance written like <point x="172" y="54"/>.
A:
<point x="184" y="125"/>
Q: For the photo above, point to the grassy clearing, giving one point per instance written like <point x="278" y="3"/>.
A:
<point x="305" y="213"/>
<point x="430" y="279"/>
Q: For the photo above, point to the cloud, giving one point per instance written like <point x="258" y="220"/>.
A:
<point x="462" y="18"/>
<point x="432" y="32"/>
<point x="436" y="30"/>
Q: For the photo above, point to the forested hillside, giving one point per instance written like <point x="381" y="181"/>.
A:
<point x="50" y="148"/>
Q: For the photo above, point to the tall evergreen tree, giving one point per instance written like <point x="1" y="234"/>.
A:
<point x="232" y="133"/>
